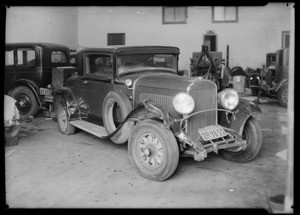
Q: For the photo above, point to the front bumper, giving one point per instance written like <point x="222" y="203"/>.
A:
<point x="199" y="149"/>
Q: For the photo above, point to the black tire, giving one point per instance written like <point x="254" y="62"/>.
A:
<point x="63" y="118"/>
<point x="283" y="95"/>
<point x="11" y="131"/>
<point x="27" y="103"/>
<point x="116" y="106"/>
<point x="252" y="134"/>
<point x="254" y="91"/>
<point x="161" y="159"/>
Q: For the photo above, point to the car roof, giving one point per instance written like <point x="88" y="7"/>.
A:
<point x="48" y="45"/>
<point x="133" y="49"/>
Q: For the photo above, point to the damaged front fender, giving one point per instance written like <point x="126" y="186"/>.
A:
<point x="237" y="119"/>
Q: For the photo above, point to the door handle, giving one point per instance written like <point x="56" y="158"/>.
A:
<point x="85" y="82"/>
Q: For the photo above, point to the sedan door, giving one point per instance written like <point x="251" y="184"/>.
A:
<point x="97" y="81"/>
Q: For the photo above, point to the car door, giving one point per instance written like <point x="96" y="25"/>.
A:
<point x="27" y="64"/>
<point x="97" y="81"/>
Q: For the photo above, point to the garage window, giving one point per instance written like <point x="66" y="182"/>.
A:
<point x="115" y="39"/>
<point x="285" y="39"/>
<point x="174" y="15"/>
<point x="26" y="57"/>
<point x="225" y="14"/>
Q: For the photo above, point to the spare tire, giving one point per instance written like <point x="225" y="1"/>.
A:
<point x="116" y="106"/>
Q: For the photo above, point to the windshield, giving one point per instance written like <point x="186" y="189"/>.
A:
<point x="132" y="63"/>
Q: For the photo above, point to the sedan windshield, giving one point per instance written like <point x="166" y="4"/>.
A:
<point x="135" y="63"/>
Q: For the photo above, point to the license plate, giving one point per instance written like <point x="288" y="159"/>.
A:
<point x="211" y="132"/>
<point x="45" y="91"/>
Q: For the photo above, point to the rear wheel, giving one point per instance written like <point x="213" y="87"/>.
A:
<point x="63" y="118"/>
<point x="153" y="150"/>
<point x="283" y="95"/>
<point x="253" y="136"/>
<point x="27" y="103"/>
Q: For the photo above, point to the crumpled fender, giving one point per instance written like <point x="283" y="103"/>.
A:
<point x="242" y="112"/>
<point x="149" y="109"/>
<point x="72" y="107"/>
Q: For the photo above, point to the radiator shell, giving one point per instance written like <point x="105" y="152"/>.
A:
<point x="163" y="88"/>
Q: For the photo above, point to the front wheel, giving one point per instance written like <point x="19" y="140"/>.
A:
<point x="253" y="136"/>
<point x="283" y="95"/>
<point x="62" y="118"/>
<point x="153" y="150"/>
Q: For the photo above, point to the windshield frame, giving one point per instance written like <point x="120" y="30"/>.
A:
<point x="141" y="68"/>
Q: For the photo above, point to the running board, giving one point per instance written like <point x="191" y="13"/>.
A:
<point x="91" y="128"/>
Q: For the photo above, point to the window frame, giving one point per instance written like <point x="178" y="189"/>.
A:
<point x="94" y="76"/>
<point x="225" y="21"/>
<point x="283" y="39"/>
<point x="13" y="56"/>
<point x="111" y="34"/>
<point x="25" y="49"/>
<point x="174" y="22"/>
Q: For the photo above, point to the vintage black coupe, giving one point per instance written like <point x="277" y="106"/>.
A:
<point x="134" y="95"/>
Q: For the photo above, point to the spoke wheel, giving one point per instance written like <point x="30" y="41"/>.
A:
<point x="283" y="95"/>
<point x="63" y="119"/>
<point x="153" y="150"/>
<point x="26" y="101"/>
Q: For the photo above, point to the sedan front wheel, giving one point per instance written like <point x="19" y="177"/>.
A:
<point x="153" y="150"/>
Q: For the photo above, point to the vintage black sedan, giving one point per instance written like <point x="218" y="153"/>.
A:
<point x="28" y="73"/>
<point x="134" y="95"/>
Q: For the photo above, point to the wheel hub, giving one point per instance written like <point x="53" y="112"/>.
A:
<point x="151" y="150"/>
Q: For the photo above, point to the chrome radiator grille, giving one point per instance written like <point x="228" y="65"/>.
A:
<point x="205" y="98"/>
<point x="165" y="101"/>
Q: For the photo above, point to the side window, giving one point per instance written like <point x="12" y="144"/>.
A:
<point x="26" y="57"/>
<point x="99" y="65"/>
<point x="58" y="57"/>
<point x="9" y="58"/>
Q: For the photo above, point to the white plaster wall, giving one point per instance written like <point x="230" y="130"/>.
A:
<point x="257" y="32"/>
<point x="42" y="24"/>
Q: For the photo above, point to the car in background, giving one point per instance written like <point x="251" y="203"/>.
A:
<point x="28" y="73"/>
<point x="273" y="82"/>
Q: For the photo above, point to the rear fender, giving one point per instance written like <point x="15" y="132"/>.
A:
<point x="241" y="114"/>
<point x="72" y="106"/>
<point x="284" y="81"/>
<point x="28" y="83"/>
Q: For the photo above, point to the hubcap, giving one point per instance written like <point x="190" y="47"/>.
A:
<point x="151" y="150"/>
<point x="23" y="103"/>
<point x="285" y="96"/>
<point x="63" y="116"/>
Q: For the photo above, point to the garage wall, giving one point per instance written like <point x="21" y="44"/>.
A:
<point x="257" y="32"/>
<point x="42" y="24"/>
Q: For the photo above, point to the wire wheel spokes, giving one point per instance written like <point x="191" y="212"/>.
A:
<point x="151" y="150"/>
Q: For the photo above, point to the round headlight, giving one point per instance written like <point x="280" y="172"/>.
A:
<point x="128" y="82"/>
<point x="183" y="103"/>
<point x="228" y="99"/>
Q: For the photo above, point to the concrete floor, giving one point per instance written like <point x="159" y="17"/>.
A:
<point x="50" y="170"/>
